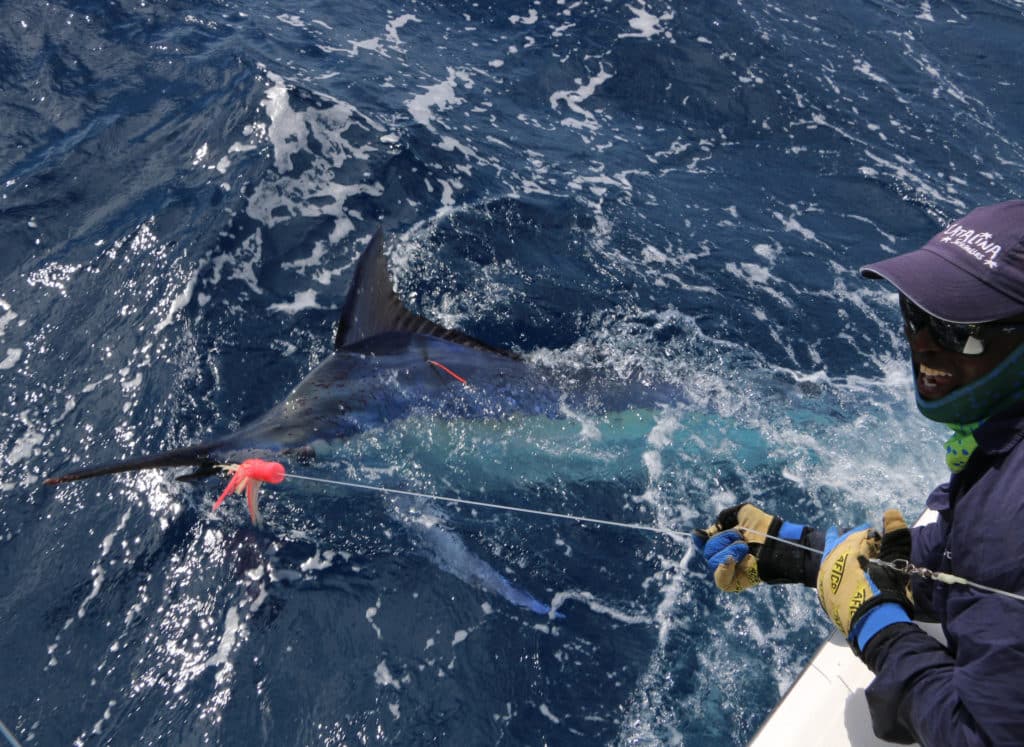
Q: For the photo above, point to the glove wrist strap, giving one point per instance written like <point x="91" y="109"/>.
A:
<point x="873" y="616"/>
<point x="779" y="563"/>
<point x="788" y="530"/>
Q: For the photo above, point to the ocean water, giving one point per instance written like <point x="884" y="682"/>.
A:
<point x="673" y="198"/>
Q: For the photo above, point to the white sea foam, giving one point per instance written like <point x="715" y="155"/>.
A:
<point x="864" y="68"/>
<point x="291" y="20"/>
<point x="11" y="359"/>
<point x="597" y="606"/>
<point x="303" y="300"/>
<point x="318" y="562"/>
<point x="439" y="96"/>
<point x="645" y="24"/>
<point x="222" y="657"/>
<point x="310" y="192"/>
<point x="546" y="712"/>
<point x="586" y="120"/>
<point x="383" y="677"/>
<point x="394" y="26"/>
<point x="180" y="301"/>
<point x="7" y="316"/>
<point x="371" y="616"/>
<point x="528" y="20"/>
<point x="27" y="443"/>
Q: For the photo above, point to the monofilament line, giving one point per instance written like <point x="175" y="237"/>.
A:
<point x="781" y="540"/>
<point x="678" y="536"/>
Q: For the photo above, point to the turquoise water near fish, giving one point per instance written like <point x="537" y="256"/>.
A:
<point x="668" y="198"/>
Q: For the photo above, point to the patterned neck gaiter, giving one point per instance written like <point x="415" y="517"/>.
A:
<point x="961" y="445"/>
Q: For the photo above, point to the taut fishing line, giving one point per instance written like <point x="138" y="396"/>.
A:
<point x="676" y="535"/>
<point x="251" y="473"/>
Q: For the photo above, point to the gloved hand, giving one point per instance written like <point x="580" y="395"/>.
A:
<point x="740" y="552"/>
<point x="860" y="597"/>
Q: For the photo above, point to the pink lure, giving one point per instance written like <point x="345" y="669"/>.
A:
<point x="249" y="476"/>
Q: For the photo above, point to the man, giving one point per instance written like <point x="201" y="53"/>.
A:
<point x="962" y="300"/>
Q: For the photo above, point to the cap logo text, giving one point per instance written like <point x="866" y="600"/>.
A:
<point x="978" y="244"/>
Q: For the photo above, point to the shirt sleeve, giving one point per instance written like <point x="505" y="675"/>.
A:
<point x="926" y="552"/>
<point x="974" y="696"/>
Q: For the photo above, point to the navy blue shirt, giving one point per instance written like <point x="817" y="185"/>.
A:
<point x="970" y="691"/>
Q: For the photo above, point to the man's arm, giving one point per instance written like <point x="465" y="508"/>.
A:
<point x="976" y="697"/>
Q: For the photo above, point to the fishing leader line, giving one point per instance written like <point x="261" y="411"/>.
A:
<point x="676" y="535"/>
<point x="250" y="474"/>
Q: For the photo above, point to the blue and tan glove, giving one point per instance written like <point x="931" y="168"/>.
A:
<point x="860" y="597"/>
<point x="740" y="552"/>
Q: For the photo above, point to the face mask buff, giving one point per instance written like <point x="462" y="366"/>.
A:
<point x="1000" y="388"/>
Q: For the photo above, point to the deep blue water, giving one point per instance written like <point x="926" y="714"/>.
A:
<point x="672" y="197"/>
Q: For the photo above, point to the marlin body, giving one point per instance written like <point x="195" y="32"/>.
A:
<point x="389" y="376"/>
<point x="388" y="363"/>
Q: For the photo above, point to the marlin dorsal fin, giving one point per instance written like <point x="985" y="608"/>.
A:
<point x="373" y="308"/>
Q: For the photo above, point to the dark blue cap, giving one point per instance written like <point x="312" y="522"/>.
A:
<point x="971" y="272"/>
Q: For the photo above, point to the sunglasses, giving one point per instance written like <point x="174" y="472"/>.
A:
<point x="965" y="339"/>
